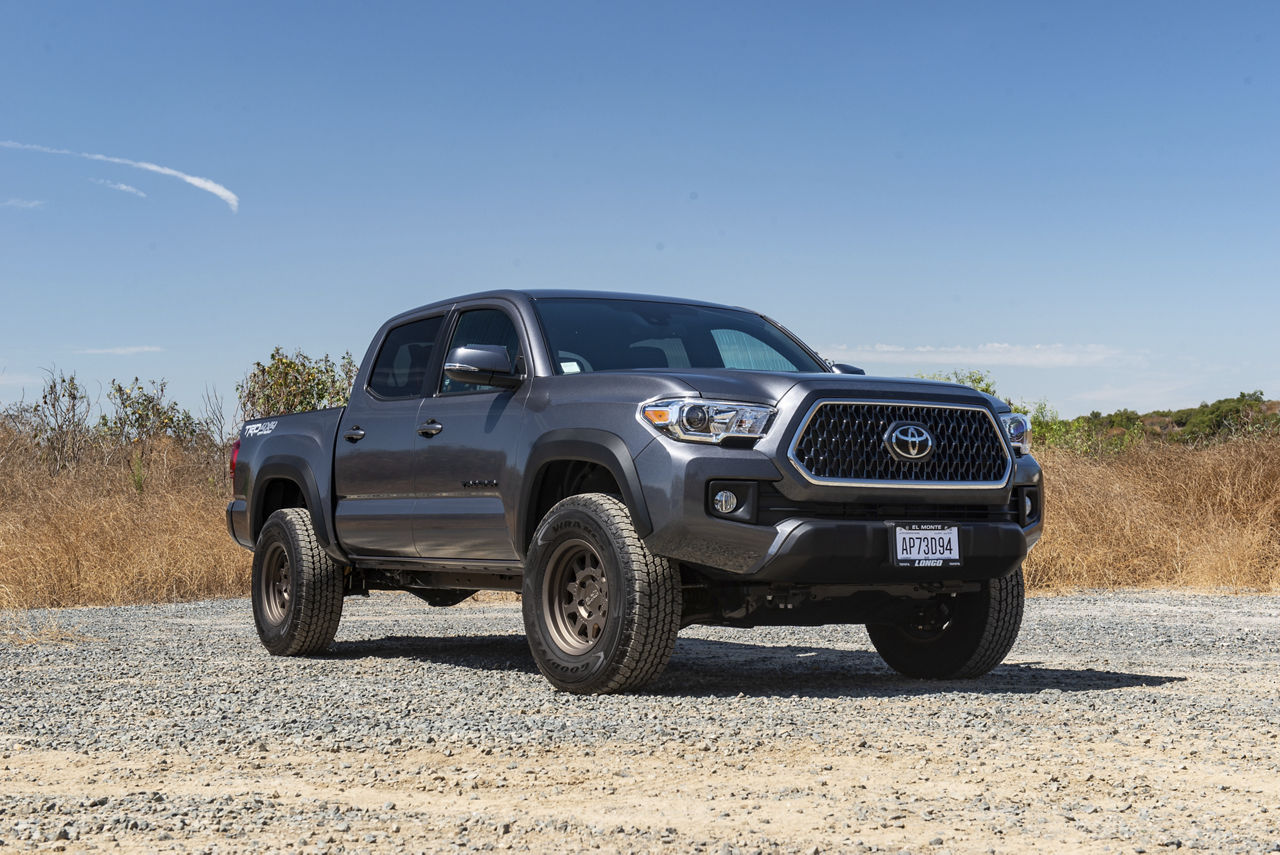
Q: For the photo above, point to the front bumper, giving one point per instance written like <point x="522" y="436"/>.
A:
<point x="817" y="550"/>
<point x="856" y="552"/>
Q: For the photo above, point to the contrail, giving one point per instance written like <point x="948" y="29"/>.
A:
<point x="125" y="188"/>
<point x="206" y="184"/>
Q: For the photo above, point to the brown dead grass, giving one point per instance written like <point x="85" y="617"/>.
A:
<point x="1156" y="516"/>
<point x="89" y="537"/>
<point x="1162" y="516"/>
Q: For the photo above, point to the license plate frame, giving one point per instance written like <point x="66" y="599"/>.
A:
<point x="926" y="545"/>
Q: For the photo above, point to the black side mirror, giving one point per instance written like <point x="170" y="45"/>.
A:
<point x="482" y="365"/>
<point x="843" y="368"/>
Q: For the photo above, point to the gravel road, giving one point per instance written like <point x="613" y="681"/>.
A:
<point x="1130" y="722"/>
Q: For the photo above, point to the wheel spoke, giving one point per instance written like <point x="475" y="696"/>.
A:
<point x="275" y="586"/>
<point x="576" y="601"/>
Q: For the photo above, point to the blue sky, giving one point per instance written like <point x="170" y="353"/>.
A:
<point x="1082" y="199"/>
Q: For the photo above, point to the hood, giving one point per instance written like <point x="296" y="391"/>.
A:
<point x="765" y="387"/>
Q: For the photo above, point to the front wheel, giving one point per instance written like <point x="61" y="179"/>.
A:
<point x="600" y="610"/>
<point x="957" y="637"/>
<point x="297" y="587"/>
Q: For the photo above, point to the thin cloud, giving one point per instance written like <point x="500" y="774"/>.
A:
<point x="22" y="203"/>
<point x="128" y="350"/>
<point x="1152" y="392"/>
<point x="206" y="184"/>
<point x="1023" y="355"/>
<point x="125" y="188"/>
<point x="7" y="379"/>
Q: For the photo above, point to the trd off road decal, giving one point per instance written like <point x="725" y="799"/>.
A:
<point x="260" y="429"/>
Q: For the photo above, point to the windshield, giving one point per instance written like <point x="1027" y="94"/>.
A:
<point x="608" y="335"/>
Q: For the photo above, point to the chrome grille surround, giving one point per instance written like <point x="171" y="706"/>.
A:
<point x="845" y="444"/>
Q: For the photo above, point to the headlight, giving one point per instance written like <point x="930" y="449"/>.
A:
<point x="697" y="420"/>
<point x="1018" y="427"/>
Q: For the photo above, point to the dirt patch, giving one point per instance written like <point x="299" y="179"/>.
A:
<point x="795" y="796"/>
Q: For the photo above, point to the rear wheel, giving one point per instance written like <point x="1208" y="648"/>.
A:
<point x="601" y="611"/>
<point x="962" y="636"/>
<point x="297" y="587"/>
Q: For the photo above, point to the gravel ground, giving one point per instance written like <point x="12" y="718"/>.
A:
<point x="1129" y="722"/>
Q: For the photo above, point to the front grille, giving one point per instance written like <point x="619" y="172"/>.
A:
<point x="843" y="442"/>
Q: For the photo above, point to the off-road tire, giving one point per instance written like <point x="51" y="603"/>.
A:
<point x="982" y="629"/>
<point x="601" y="611"/>
<point x="297" y="587"/>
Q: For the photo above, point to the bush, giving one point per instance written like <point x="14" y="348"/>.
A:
<point x="1247" y="414"/>
<point x="972" y="377"/>
<point x="142" y="415"/>
<point x="292" y="384"/>
<point x="58" y="422"/>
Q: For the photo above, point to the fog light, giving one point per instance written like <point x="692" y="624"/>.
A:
<point x="1026" y="507"/>
<point x="725" y="502"/>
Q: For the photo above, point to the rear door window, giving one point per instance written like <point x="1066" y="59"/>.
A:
<point x="400" y="369"/>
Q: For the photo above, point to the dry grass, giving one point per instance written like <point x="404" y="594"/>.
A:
<point x="1162" y="516"/>
<point x="88" y="536"/>
<point x="1156" y="516"/>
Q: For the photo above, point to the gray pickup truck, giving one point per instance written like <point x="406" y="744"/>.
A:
<point x="633" y="465"/>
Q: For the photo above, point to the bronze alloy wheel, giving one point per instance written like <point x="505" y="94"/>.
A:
<point x="275" y="584"/>
<point x="575" y="597"/>
<point x="601" y="612"/>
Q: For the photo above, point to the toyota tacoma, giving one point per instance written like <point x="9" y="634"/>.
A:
<point x="633" y="465"/>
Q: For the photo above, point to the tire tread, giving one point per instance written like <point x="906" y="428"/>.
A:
<point x="1006" y="600"/>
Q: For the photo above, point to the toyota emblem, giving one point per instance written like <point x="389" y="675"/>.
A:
<point x="909" y="441"/>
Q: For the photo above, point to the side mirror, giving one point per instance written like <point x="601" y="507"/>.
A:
<point x="843" y="368"/>
<point x="482" y="365"/>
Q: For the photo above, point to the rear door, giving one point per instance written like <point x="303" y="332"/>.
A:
<point x="377" y="441"/>
<point x="464" y="456"/>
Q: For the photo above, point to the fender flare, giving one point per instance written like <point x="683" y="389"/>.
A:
<point x="590" y="446"/>
<point x="288" y="467"/>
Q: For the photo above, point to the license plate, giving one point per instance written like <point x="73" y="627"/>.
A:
<point x="926" y="545"/>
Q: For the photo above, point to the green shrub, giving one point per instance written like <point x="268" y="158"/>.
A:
<point x="972" y="377"/>
<point x="292" y="384"/>
<point x="141" y="415"/>
<point x="1247" y="414"/>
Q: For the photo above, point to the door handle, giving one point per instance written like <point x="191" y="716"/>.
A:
<point x="430" y="428"/>
<point x="355" y="434"/>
